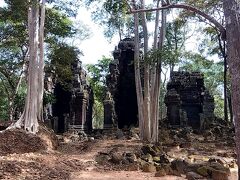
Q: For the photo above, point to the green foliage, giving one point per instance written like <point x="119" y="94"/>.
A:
<point x="48" y="98"/>
<point x="62" y="56"/>
<point x="97" y="81"/>
<point x="3" y="103"/>
<point x="213" y="72"/>
<point x="14" y="45"/>
<point x="112" y="15"/>
<point x="58" y="24"/>
<point x="219" y="106"/>
<point x="98" y="115"/>
<point x="213" y="76"/>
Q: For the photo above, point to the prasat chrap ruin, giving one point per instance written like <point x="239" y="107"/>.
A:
<point x="187" y="100"/>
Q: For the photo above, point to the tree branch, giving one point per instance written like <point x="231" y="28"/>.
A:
<point x="219" y="26"/>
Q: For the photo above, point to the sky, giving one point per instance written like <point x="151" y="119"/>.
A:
<point x="96" y="46"/>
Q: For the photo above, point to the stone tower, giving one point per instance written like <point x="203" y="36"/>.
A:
<point x="188" y="101"/>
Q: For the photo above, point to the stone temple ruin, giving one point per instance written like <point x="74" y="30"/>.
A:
<point x="72" y="109"/>
<point x="120" y="105"/>
<point x="188" y="101"/>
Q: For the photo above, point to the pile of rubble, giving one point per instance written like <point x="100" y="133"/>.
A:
<point x="152" y="158"/>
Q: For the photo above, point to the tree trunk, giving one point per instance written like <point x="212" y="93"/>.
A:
<point x="33" y="103"/>
<point x="30" y="114"/>
<point x="232" y="16"/>
<point x="157" y="88"/>
<point x="41" y="63"/>
<point x="137" y="73"/>
<point x="154" y="83"/>
<point x="146" y="110"/>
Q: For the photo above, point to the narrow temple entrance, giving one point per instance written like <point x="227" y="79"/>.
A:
<point x="61" y="107"/>
<point x="193" y="115"/>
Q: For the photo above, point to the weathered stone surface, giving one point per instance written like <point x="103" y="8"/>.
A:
<point x="188" y="102"/>
<point x="147" y="149"/>
<point x="156" y="159"/>
<point x="116" y="158"/>
<point x="219" y="175"/>
<point x="147" y="157"/>
<point x="193" y="176"/>
<point x="121" y="85"/>
<point x="203" y="171"/>
<point x="72" y="109"/>
<point x="167" y="168"/>
<point x="160" y="173"/>
<point x="131" y="157"/>
<point x="102" y="158"/>
<point x="149" y="167"/>
<point x="164" y="159"/>
<point x="179" y="165"/>
<point x="119" y="134"/>
<point x="214" y="170"/>
<point x="219" y="166"/>
<point x="133" y="167"/>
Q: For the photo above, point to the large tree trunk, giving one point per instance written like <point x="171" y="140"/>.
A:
<point x="137" y="73"/>
<point x="153" y="81"/>
<point x="147" y="119"/>
<point x="30" y="111"/>
<point x="33" y="103"/>
<point x="157" y="86"/>
<point x="232" y="16"/>
<point x="41" y="63"/>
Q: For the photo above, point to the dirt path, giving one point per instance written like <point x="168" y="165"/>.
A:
<point x="76" y="161"/>
<point x="92" y="173"/>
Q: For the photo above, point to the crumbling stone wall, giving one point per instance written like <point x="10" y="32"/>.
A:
<point x="72" y="109"/>
<point x="121" y="101"/>
<point x="188" y="101"/>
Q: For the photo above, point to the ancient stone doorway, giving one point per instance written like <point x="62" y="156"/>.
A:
<point x="61" y="107"/>
<point x="193" y="115"/>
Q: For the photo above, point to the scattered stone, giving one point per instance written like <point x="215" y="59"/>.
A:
<point x="193" y="176"/>
<point x="219" y="167"/>
<point x="119" y="134"/>
<point x="219" y="175"/>
<point x="147" y="149"/>
<point x="185" y="145"/>
<point x="175" y="173"/>
<point x="133" y="167"/>
<point x="203" y="171"/>
<point x="147" y="158"/>
<point x="164" y="159"/>
<point x="217" y="160"/>
<point x="232" y="164"/>
<point x="160" y="173"/>
<point x="116" y="158"/>
<point x="167" y="168"/>
<point x="102" y="158"/>
<point x="148" y="167"/>
<point x="157" y="149"/>
<point x="131" y="157"/>
<point x="179" y="165"/>
<point x="156" y="159"/>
